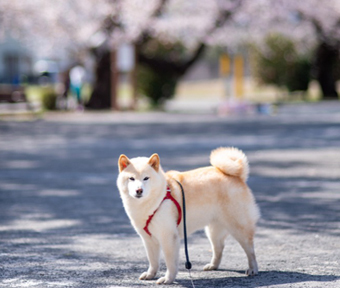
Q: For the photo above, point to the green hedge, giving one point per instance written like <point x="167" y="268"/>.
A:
<point x="158" y="87"/>
<point x="49" y="99"/>
<point x="278" y="62"/>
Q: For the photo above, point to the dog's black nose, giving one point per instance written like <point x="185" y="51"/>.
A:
<point x="139" y="191"/>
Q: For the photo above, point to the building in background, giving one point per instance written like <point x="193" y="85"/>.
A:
<point x="16" y="62"/>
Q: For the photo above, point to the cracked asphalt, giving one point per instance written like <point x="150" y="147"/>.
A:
<point x="62" y="223"/>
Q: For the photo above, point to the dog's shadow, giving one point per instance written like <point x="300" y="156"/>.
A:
<point x="263" y="279"/>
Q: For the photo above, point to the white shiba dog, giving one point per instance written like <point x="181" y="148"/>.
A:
<point x="217" y="199"/>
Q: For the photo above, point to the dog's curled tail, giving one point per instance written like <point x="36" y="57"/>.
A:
<point x="230" y="161"/>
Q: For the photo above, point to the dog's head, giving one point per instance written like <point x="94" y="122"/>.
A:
<point x="140" y="177"/>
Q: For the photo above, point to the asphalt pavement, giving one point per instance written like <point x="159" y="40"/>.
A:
<point x="62" y="223"/>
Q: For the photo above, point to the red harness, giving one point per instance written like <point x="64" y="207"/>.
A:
<point x="170" y="197"/>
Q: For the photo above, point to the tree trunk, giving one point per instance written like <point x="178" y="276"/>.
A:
<point x="327" y="62"/>
<point x="114" y="80"/>
<point x="101" y="94"/>
<point x="166" y="72"/>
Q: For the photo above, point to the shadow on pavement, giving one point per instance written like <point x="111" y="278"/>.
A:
<point x="62" y="221"/>
<point x="263" y="279"/>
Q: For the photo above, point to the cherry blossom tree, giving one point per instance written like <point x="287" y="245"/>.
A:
<point x="67" y="25"/>
<point x="52" y="28"/>
<point x="167" y="26"/>
<point x="185" y="28"/>
<point x="324" y="19"/>
<point x="313" y="25"/>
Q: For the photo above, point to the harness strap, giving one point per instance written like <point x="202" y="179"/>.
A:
<point x="170" y="197"/>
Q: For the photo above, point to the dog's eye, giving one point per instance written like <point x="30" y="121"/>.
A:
<point x="132" y="179"/>
<point x="146" y="178"/>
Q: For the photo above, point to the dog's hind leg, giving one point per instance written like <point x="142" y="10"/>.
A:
<point x="216" y="234"/>
<point x="246" y="239"/>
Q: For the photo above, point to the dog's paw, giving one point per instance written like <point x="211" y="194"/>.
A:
<point x="251" y="272"/>
<point x="146" y="276"/>
<point x="164" y="280"/>
<point x="209" y="267"/>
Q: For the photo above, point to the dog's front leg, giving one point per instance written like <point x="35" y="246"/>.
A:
<point x="170" y="244"/>
<point x="152" y="248"/>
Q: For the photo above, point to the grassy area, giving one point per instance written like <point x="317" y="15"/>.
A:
<point x="203" y="90"/>
<point x="217" y="90"/>
<point x="35" y="93"/>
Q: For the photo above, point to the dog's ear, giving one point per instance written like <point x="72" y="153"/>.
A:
<point x="123" y="162"/>
<point x="154" y="161"/>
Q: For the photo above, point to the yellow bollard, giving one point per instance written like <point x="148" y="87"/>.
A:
<point x="239" y="76"/>
<point x="224" y="65"/>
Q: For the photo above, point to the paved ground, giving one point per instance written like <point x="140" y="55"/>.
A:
<point x="62" y="223"/>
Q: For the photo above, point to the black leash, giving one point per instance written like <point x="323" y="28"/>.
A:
<point x="187" y="264"/>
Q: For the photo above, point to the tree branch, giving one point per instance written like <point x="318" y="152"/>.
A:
<point x="180" y="67"/>
<point x="160" y="64"/>
<point x="222" y="18"/>
<point x="145" y="36"/>
<point x="320" y="33"/>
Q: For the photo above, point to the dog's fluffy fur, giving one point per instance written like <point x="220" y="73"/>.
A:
<point x="217" y="198"/>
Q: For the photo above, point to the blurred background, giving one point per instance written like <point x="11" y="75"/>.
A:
<point x="219" y="55"/>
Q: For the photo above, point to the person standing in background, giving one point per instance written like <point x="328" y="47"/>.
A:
<point x="77" y="75"/>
